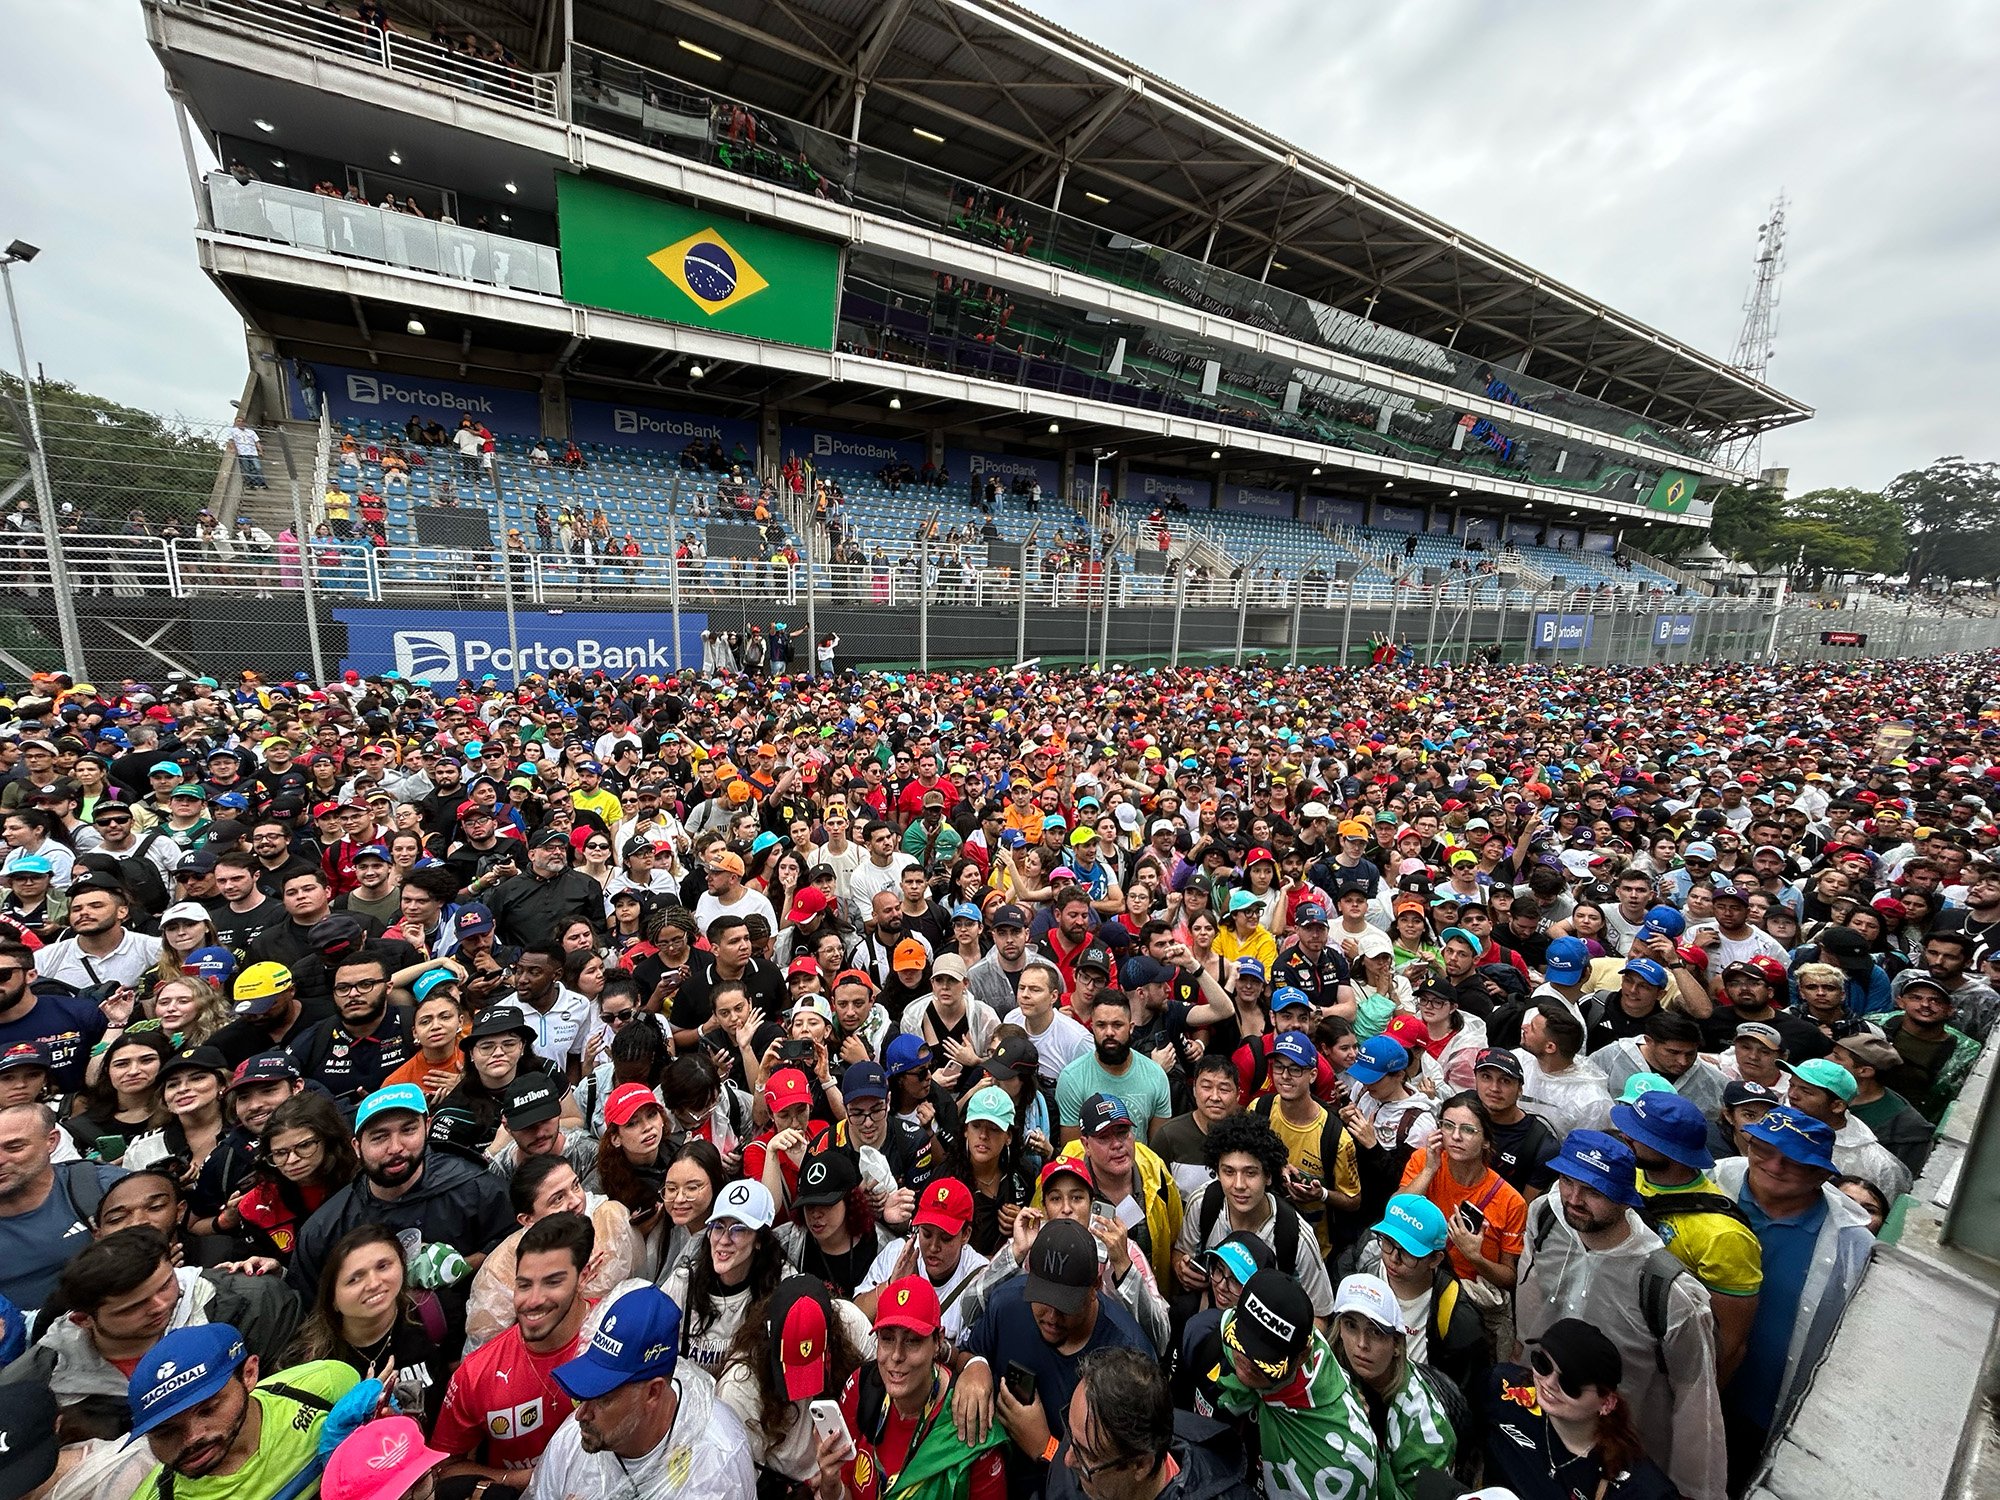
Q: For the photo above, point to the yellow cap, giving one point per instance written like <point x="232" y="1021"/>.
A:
<point x="261" y="981"/>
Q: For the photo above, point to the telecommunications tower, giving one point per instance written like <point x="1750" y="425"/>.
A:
<point x="1756" y="345"/>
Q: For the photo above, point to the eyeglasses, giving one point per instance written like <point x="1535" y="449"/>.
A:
<point x="1087" y="1471"/>
<point x="618" y="1017"/>
<point x="729" y="1229"/>
<point x="292" y="1153"/>
<point x="360" y="988"/>
<point x="1545" y="1367"/>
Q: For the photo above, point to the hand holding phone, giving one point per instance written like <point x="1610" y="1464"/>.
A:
<point x="830" y="1424"/>
<point x="1020" y="1381"/>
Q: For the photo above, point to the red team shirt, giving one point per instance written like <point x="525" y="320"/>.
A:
<point x="505" y="1396"/>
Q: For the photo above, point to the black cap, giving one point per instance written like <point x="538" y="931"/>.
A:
<point x="1094" y="958"/>
<point x="500" y="1020"/>
<point x="1274" y="1318"/>
<point x="1583" y="1355"/>
<point x="207" y="1059"/>
<point x="530" y="1099"/>
<point x="454" y="1129"/>
<point x="338" y="937"/>
<point x="548" y="838"/>
<point x="1143" y="968"/>
<point x="1062" y="1266"/>
<point x="102" y="883"/>
<point x="827" y="1177"/>
<point x="28" y="1444"/>
<point x="199" y="862"/>
<point x="1015" y="1057"/>
<point x="1500" y="1060"/>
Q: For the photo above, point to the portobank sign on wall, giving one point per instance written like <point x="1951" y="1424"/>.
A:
<point x="427" y="645"/>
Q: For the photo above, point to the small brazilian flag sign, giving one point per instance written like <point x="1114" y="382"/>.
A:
<point x="1674" y="492"/>
<point x="633" y="253"/>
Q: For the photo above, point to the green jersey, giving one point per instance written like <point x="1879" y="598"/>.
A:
<point x="1419" y="1435"/>
<point x="286" y="1463"/>
<point x="1316" y="1438"/>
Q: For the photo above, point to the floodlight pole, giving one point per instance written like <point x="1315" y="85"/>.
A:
<point x="307" y="587"/>
<point x="674" y="565"/>
<point x="1180" y="606"/>
<point x="1243" y="601"/>
<point x="807" y="518"/>
<point x="1104" y="624"/>
<point x="924" y="594"/>
<point x="1021" y="604"/>
<point x="1298" y="610"/>
<point x="69" y="633"/>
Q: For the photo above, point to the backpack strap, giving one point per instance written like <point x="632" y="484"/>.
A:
<point x="1656" y="1285"/>
<point x="1208" y="1212"/>
<point x="85" y="1189"/>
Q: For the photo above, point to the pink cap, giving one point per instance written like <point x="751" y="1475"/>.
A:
<point x="380" y="1460"/>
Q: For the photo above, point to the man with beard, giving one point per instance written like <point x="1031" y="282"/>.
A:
<point x="445" y="1199"/>
<point x="501" y="1407"/>
<point x="66" y="1024"/>
<point x="197" y="1399"/>
<point x="644" y="1427"/>
<point x="365" y="1041"/>
<point x="245" y="910"/>
<point x="1111" y="1067"/>
<point x="534" y="904"/>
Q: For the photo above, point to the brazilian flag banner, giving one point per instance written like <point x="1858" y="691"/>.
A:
<point x="1674" y="492"/>
<point x="629" y="252"/>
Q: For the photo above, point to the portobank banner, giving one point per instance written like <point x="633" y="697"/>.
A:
<point x="380" y="395"/>
<point x="445" y="645"/>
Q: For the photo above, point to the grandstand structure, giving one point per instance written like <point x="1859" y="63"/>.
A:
<point x="734" y="248"/>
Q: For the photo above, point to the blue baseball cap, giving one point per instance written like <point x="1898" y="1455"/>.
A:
<point x="430" y="980"/>
<point x="1415" y="1223"/>
<point x="1100" y="1111"/>
<point x="1795" y="1135"/>
<point x="1296" y="1048"/>
<point x="905" y="1054"/>
<point x="371" y="851"/>
<point x="212" y="964"/>
<point x="638" y="1339"/>
<point x="1312" y="913"/>
<point x="1567" y="961"/>
<point x="232" y="801"/>
<point x="1669" y="1124"/>
<point x="32" y="864"/>
<point x="382" y="1101"/>
<point x="965" y="911"/>
<point x="1663" y="921"/>
<point x="181" y="1371"/>
<point x="1254" y="967"/>
<point x="472" y="919"/>
<point x="1602" y="1162"/>
<point x="864" y="1080"/>
<point x="1647" y="970"/>
<point x="1378" y="1058"/>
<point x="1288" y="996"/>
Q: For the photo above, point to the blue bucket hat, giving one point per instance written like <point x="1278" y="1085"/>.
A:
<point x="1795" y="1135"/>
<point x="1669" y="1124"/>
<point x="1602" y="1162"/>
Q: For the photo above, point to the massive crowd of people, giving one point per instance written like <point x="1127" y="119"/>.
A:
<point x="1201" y="1083"/>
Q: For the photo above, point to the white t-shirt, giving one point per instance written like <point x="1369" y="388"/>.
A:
<point x="748" y="903"/>
<point x="1065" y="1040"/>
<point x="970" y="1264"/>
<point x="124" y="964"/>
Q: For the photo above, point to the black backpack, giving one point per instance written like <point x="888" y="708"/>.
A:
<point x="142" y="876"/>
<point x="1289" y="1230"/>
<point x="1656" y="1279"/>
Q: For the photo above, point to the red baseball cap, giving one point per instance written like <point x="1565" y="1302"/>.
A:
<point x="1256" y="854"/>
<point x="322" y="809"/>
<point x="809" y="903"/>
<point x="805" y="963"/>
<point x="1076" y="1166"/>
<point x="945" y="1204"/>
<point x="797" y="1327"/>
<point x="785" y="1088"/>
<point x="909" y="1302"/>
<point x="627" y="1100"/>
<point x="1407" y="1030"/>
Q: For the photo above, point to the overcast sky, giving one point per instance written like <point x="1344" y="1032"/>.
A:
<point x="1630" y="150"/>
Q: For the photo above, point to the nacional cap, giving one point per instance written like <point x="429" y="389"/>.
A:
<point x="638" y="1339"/>
<point x="1647" y="970"/>
<point x="1567" y="961"/>
<point x="1599" y="1161"/>
<point x="1062" y="1266"/>
<point x="1379" y="1057"/>
<point x="406" y="1096"/>
<point x="1296" y="1048"/>
<point x="1671" y="1125"/>
<point x="181" y="1371"/>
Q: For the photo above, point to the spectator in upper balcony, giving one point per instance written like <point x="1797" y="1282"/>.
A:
<point x="249" y="450"/>
<point x="240" y="172"/>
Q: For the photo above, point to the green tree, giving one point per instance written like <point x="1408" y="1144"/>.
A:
<point x="1951" y="515"/>
<point x="106" y="459"/>
<point x="1864" y="528"/>
<point x="1744" y="516"/>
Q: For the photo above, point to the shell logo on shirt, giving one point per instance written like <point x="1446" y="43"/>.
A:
<point x="515" y="1421"/>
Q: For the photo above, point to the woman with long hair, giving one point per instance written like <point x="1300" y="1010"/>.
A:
<point x="1486" y="1215"/>
<point x="1411" y="935"/>
<point x="498" y="1049"/>
<point x="191" y="1084"/>
<point x="307" y="1156"/>
<point x="583" y="971"/>
<point x="831" y="1231"/>
<point x="694" y="1176"/>
<point x="1559" y="1424"/>
<point x="438" y="1025"/>
<point x="593" y="855"/>
<point x="632" y="1165"/>
<point x="575" y="935"/>
<point x="1455" y="1038"/>
<point x="184" y="927"/>
<point x="1379" y="991"/>
<point x="122" y="1102"/>
<point x="755" y="1383"/>
<point x="366" y="1315"/>
<point x="1201" y="930"/>
<point x="540" y="1186"/>
<point x="406" y="847"/>
<point x="787" y="878"/>
<point x="189" y="1009"/>
<point x="737" y="1261"/>
<point x="1405" y="1402"/>
<point x="985" y="1153"/>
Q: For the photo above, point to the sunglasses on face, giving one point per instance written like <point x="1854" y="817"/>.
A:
<point x="1546" y="1368"/>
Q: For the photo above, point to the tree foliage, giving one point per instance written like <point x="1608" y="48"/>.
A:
<point x="1951" y="515"/>
<point x="106" y="459"/>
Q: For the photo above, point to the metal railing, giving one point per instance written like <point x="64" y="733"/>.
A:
<point x="338" y="226"/>
<point x="326" y="29"/>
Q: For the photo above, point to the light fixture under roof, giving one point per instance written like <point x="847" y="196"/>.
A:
<point x="1278" y="265"/>
<point x="264" y="125"/>
<point x="929" y="135"/>
<point x="506" y="218"/>
<point x="1055" y="427"/>
<point x="1315" y="473"/>
<point x="1454" y="495"/>
<point x="510" y="187"/>
<point x="1388" y="484"/>
<point x="395" y="158"/>
<point x="414" y="328"/>
<point x="698" y="50"/>
<point x="895" y="403"/>
<point x="278" y="161"/>
<point x="1095" y="197"/>
<point x="695" y="372"/>
<point x="1215" y="453"/>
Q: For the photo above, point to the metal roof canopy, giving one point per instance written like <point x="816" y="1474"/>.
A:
<point x="1023" y="103"/>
